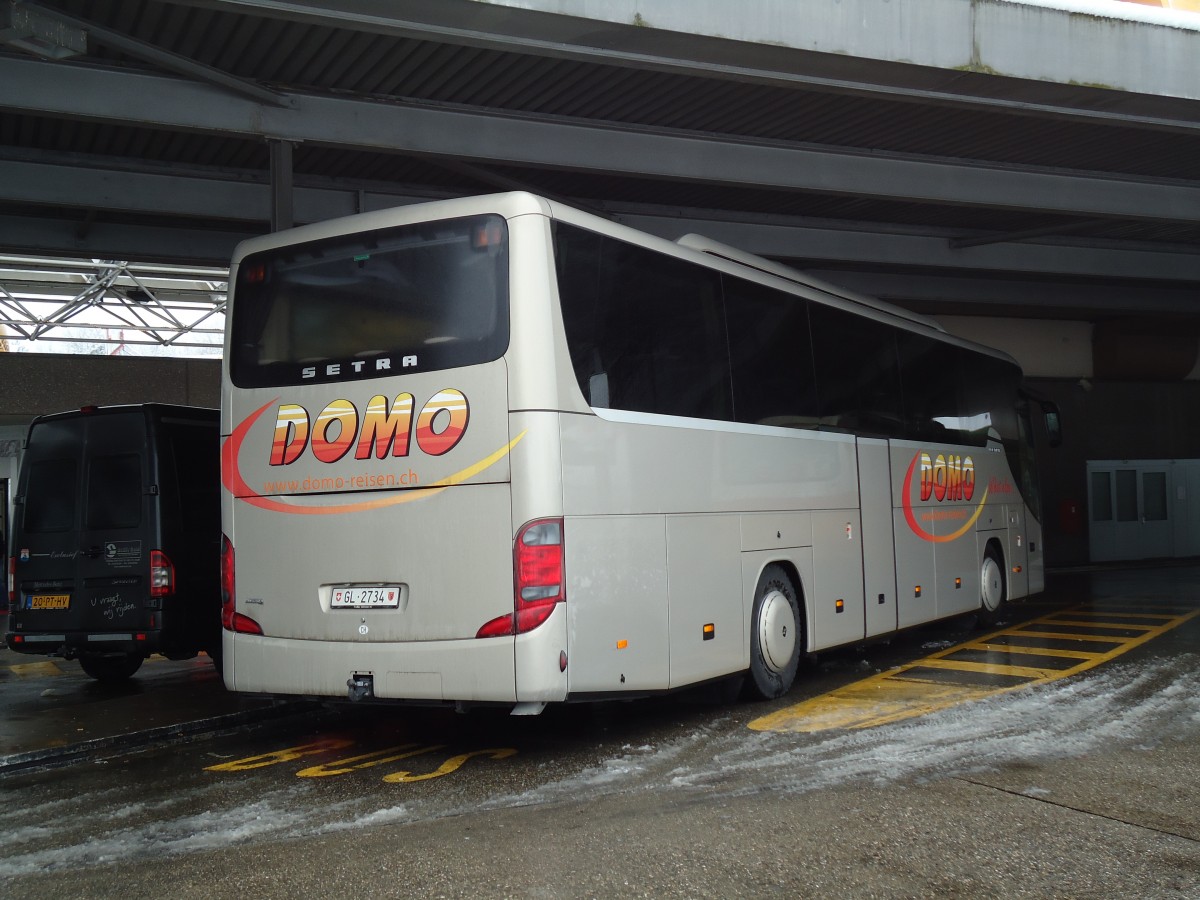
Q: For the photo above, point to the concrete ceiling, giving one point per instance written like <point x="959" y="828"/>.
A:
<point x="961" y="157"/>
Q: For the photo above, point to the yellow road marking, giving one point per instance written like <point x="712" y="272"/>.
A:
<point x="1038" y="651"/>
<point x="36" y="669"/>
<point x="1067" y="635"/>
<point x="902" y="693"/>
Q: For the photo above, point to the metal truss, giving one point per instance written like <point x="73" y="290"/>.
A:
<point x="111" y="302"/>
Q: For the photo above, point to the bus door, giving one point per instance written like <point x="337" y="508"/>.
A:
<point x="878" y="545"/>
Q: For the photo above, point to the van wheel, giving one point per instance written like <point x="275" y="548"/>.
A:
<point x="992" y="586"/>
<point x="111" y="669"/>
<point x="775" y="635"/>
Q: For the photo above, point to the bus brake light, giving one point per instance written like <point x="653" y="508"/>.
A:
<point x="538" y="579"/>
<point x="231" y="620"/>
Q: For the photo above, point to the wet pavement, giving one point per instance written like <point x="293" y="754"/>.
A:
<point x="1080" y="783"/>
<point x="51" y="712"/>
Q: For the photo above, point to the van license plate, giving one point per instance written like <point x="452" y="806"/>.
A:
<point x="50" y="601"/>
<point x="379" y="596"/>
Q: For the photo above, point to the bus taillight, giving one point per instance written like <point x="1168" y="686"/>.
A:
<point x="162" y="574"/>
<point x="537" y="576"/>
<point x="231" y="620"/>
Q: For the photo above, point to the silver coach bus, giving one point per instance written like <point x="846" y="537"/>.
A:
<point x="497" y="450"/>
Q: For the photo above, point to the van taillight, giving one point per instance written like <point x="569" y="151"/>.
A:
<point x="538" y="583"/>
<point x="231" y="620"/>
<point x="162" y="575"/>
<point x="12" y="581"/>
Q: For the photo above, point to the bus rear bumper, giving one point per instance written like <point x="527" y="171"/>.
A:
<point x="476" y="670"/>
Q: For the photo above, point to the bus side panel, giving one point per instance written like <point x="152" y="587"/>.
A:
<point x="916" y="597"/>
<point x="958" y="567"/>
<point x="1036" y="560"/>
<point x="837" y="548"/>
<point x="705" y="589"/>
<point x="879" y="549"/>
<point x="617" y="603"/>
<point x="1017" y="558"/>
<point x="627" y="475"/>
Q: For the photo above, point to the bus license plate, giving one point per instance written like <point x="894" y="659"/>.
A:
<point x="377" y="596"/>
<point x="50" y="601"/>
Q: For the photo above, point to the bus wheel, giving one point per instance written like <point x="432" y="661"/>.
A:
<point x="992" y="586"/>
<point x="774" y="635"/>
<point x="111" y="668"/>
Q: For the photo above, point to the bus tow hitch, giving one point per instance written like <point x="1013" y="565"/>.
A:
<point x="361" y="686"/>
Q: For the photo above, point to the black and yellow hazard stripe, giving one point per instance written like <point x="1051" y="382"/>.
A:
<point x="1035" y="652"/>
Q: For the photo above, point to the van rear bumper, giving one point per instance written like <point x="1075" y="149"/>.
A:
<point x="73" y="644"/>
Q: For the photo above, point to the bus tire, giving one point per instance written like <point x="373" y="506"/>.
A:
<point x="775" y="635"/>
<point x="110" y="669"/>
<point x="993" y="586"/>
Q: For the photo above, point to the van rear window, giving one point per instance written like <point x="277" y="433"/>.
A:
<point x="50" y="496"/>
<point x="114" y="496"/>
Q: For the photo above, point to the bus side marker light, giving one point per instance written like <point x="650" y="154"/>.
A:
<point x="562" y="660"/>
<point x="958" y="584"/>
<point x="840" y="606"/>
<point x="917" y="591"/>
<point x="622" y="644"/>
<point x="1016" y="570"/>
<point x="710" y="631"/>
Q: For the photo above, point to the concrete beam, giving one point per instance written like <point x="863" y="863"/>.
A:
<point x="77" y="182"/>
<point x="858" y="243"/>
<point x="877" y="48"/>
<point x="100" y="94"/>
<point x="929" y="293"/>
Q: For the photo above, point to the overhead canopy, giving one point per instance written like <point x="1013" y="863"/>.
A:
<point x="992" y="157"/>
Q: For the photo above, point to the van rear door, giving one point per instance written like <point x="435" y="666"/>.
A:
<point x="85" y="529"/>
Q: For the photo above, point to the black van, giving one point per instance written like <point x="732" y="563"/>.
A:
<point x="116" y="537"/>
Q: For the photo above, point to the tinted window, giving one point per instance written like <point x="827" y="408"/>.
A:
<point x="770" y="351"/>
<point x="934" y="409"/>
<point x="50" y="495"/>
<point x="114" y="497"/>
<point x="422" y="297"/>
<point x="858" y="375"/>
<point x="646" y="331"/>
<point x="653" y="333"/>
<point x="195" y="458"/>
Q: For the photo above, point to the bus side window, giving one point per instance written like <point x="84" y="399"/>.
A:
<point x="858" y="373"/>
<point x="651" y="325"/>
<point x="770" y="349"/>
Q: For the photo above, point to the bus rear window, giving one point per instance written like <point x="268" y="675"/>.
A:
<point x="413" y="298"/>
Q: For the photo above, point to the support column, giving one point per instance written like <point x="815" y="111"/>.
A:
<point x="282" y="214"/>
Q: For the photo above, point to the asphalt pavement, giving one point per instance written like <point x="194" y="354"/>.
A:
<point x="1119" y="820"/>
